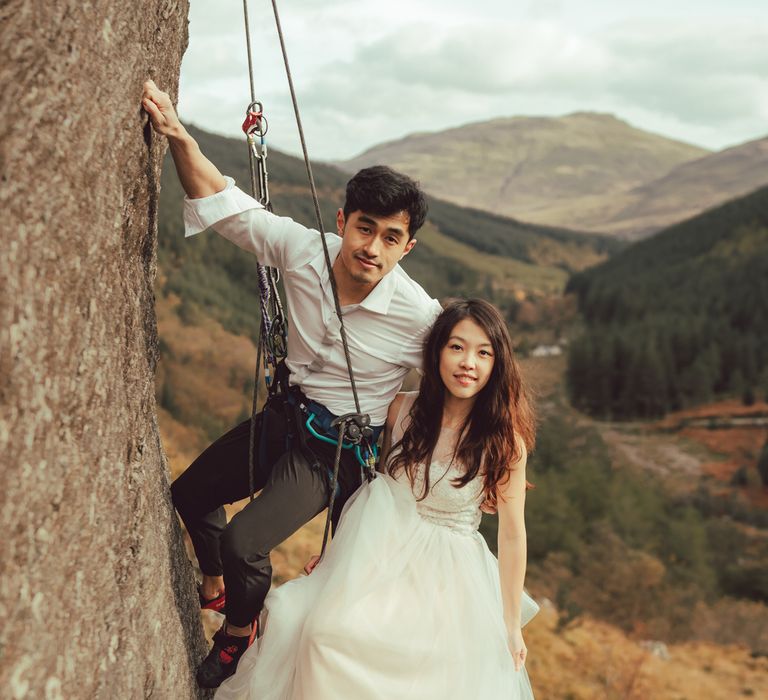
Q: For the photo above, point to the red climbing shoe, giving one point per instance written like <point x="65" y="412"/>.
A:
<point x="216" y="604"/>
<point x="222" y="659"/>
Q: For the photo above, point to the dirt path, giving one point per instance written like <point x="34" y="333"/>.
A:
<point x="667" y="455"/>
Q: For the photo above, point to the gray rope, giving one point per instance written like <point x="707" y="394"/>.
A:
<point x="248" y="46"/>
<point x="332" y="278"/>
<point x="316" y="202"/>
<point x="264" y="277"/>
<point x="265" y="293"/>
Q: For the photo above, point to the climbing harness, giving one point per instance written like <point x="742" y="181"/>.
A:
<point x="353" y="430"/>
<point x="371" y="454"/>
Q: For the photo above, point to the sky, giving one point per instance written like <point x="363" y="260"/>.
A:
<point x="371" y="71"/>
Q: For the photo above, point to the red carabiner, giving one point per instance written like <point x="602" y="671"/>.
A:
<point x="255" y="121"/>
<point x="252" y="122"/>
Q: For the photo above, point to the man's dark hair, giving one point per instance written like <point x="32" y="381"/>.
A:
<point x="381" y="191"/>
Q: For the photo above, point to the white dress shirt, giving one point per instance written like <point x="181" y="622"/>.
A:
<point x="385" y="331"/>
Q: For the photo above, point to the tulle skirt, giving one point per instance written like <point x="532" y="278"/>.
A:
<point x="400" y="608"/>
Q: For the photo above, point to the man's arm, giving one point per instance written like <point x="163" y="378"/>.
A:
<point x="199" y="177"/>
<point x="213" y="201"/>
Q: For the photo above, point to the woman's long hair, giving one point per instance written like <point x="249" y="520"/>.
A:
<point x="500" y="418"/>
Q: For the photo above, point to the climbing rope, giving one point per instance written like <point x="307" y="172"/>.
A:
<point x="272" y="330"/>
<point x="353" y="427"/>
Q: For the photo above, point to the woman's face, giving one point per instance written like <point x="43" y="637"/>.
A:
<point x="466" y="360"/>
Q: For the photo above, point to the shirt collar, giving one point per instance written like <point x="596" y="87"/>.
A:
<point x="318" y="262"/>
<point x="378" y="299"/>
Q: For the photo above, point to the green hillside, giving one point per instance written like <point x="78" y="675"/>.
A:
<point x="461" y="251"/>
<point x="208" y="272"/>
<point x="677" y="319"/>
<point x="505" y="237"/>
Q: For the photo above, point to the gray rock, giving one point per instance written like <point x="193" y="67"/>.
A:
<point x="96" y="593"/>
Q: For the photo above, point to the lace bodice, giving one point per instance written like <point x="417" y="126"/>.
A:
<point x="446" y="505"/>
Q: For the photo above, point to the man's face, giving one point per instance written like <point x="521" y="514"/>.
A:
<point x="372" y="245"/>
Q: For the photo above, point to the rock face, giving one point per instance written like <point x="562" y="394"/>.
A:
<point x="96" y="593"/>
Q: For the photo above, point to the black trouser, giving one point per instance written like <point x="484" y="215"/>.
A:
<point x="294" y="487"/>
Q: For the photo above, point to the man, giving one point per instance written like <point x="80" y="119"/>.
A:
<point x="386" y="316"/>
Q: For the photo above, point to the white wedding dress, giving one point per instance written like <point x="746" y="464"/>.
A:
<point x="405" y="605"/>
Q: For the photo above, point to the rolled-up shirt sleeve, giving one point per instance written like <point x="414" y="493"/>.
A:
<point x="243" y="220"/>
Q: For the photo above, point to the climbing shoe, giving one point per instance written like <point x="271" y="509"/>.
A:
<point x="221" y="661"/>
<point x="216" y="604"/>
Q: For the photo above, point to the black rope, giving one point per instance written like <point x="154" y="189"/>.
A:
<point x="252" y="427"/>
<point x="334" y="483"/>
<point x="252" y="166"/>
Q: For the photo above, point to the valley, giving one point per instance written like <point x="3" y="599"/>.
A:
<point x="632" y="525"/>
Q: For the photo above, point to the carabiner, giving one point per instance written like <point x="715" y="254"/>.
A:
<point x="255" y="121"/>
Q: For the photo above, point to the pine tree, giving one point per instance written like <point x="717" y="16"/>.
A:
<point x="762" y="464"/>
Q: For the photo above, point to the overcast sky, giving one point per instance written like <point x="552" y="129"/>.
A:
<point x="371" y="71"/>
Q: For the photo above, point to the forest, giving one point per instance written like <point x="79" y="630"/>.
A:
<point x="614" y="542"/>
<point x="678" y="319"/>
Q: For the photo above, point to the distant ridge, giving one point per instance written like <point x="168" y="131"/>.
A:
<point x="560" y="171"/>
<point x="692" y="187"/>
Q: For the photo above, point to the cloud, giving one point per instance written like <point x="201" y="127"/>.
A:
<point x="707" y="77"/>
<point x="370" y="72"/>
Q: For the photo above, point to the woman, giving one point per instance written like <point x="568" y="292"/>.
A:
<point x="408" y="602"/>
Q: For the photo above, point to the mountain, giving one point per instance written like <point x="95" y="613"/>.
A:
<point x="560" y="171"/>
<point x="691" y="188"/>
<point x="678" y="318"/>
